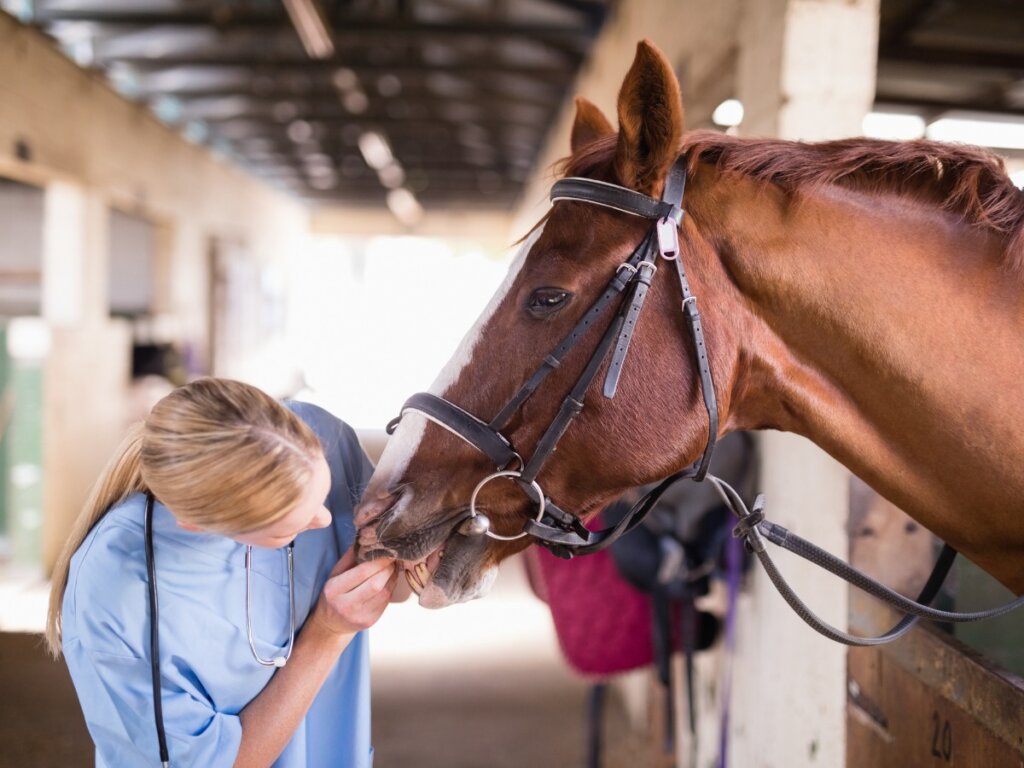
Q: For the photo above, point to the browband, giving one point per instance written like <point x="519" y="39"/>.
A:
<point x="615" y="197"/>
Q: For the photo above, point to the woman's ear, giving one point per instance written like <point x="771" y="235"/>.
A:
<point x="650" y="121"/>
<point x="589" y="126"/>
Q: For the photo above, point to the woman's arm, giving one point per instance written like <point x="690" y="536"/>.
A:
<point x="353" y="598"/>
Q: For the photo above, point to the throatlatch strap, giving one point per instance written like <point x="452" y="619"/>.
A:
<point x="707" y="383"/>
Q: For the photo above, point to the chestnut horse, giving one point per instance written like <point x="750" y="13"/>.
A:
<point x="868" y="295"/>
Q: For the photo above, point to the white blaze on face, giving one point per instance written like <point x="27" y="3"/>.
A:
<point x="402" y="445"/>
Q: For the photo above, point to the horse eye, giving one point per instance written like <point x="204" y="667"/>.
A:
<point x="545" y="301"/>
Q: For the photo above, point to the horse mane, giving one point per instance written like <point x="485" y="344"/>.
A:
<point x="964" y="180"/>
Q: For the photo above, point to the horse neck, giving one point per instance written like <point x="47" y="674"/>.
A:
<point x="888" y="333"/>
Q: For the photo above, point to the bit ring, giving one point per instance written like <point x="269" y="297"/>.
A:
<point x="512" y="474"/>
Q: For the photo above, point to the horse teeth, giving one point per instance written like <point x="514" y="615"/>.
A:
<point x="414" y="584"/>
<point x="423" y="573"/>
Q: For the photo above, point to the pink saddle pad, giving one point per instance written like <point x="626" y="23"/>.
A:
<point x="603" y="624"/>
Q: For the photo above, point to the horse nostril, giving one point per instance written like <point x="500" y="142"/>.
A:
<point x="372" y="509"/>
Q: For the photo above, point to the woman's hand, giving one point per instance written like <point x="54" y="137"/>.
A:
<point x="355" y="596"/>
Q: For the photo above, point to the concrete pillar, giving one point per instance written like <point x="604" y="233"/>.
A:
<point x="806" y="71"/>
<point x="75" y="255"/>
<point x="86" y="370"/>
<point x="806" y="68"/>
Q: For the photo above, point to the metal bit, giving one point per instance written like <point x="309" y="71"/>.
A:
<point x="477" y="525"/>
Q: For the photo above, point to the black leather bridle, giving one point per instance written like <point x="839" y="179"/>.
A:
<point x="563" y="532"/>
<point x="560" y="531"/>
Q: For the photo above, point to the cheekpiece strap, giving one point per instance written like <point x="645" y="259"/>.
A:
<point x="675" y="185"/>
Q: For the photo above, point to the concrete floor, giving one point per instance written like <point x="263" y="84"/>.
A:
<point x="483" y="685"/>
<point x="40" y="722"/>
<point x="474" y="686"/>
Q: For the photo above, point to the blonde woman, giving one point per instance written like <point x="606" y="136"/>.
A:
<point x="258" y="656"/>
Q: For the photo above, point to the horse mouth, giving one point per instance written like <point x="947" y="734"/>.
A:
<point x="430" y="558"/>
<point x="441" y="565"/>
<point x="419" y="573"/>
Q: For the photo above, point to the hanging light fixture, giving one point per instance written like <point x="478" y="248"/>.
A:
<point x="312" y="27"/>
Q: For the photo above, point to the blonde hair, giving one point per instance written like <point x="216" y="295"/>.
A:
<point x="221" y="455"/>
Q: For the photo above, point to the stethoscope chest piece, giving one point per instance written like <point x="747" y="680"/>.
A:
<point x="276" y="661"/>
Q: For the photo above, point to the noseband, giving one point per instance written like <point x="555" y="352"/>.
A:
<point x="560" y="531"/>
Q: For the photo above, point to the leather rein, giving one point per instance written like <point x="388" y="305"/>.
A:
<point x="564" y="533"/>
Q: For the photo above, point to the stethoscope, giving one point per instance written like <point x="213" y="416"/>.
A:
<point x="154" y="623"/>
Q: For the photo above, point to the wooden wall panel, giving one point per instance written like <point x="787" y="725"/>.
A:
<point x="929" y="701"/>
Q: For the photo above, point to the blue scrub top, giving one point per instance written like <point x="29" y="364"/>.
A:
<point x="208" y="673"/>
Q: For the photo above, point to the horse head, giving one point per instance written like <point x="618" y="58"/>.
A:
<point x="656" y="422"/>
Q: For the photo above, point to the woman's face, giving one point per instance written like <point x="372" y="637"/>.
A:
<point x="310" y="513"/>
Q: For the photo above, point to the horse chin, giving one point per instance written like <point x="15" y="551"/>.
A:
<point x="463" y="574"/>
<point x="438" y="596"/>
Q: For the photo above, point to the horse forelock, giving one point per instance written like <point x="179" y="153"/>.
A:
<point x="967" y="181"/>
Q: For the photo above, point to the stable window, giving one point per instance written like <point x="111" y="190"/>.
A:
<point x="21" y="248"/>
<point x="132" y="265"/>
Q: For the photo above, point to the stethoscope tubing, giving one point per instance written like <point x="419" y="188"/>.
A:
<point x="154" y="625"/>
<point x="154" y="637"/>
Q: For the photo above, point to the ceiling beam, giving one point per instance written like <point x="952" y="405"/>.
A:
<point x="226" y="17"/>
<point x="466" y="199"/>
<point x="418" y="97"/>
<point x="938" y="106"/>
<point x="260" y="64"/>
<point x="594" y="11"/>
<point x="1010" y="62"/>
<point x="894" y="33"/>
<point x="339" y="116"/>
<point x="488" y="116"/>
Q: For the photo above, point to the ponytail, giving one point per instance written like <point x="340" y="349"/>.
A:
<point x="121" y="477"/>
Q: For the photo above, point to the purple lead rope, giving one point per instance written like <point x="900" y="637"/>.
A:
<point x="734" y="566"/>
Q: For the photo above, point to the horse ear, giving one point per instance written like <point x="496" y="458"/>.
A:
<point x="650" y="120"/>
<point x="590" y="124"/>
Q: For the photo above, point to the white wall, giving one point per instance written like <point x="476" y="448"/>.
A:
<point x="92" y="151"/>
